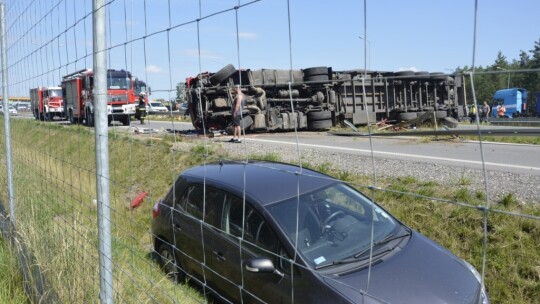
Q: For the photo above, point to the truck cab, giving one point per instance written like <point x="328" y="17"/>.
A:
<point x="53" y="103"/>
<point x="514" y="100"/>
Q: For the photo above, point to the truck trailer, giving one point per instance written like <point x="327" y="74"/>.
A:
<point x="122" y="94"/>
<point x="47" y="103"/>
<point x="318" y="98"/>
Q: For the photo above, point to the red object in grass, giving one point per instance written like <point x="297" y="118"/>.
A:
<point x="137" y="201"/>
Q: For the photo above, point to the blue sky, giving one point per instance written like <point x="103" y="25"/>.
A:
<point x="427" y="35"/>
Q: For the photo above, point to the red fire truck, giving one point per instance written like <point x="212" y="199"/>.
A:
<point x="122" y="93"/>
<point x="46" y="103"/>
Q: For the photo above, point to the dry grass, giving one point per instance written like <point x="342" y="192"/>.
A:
<point x="55" y="189"/>
<point x="11" y="280"/>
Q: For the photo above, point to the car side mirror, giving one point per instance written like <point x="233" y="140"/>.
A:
<point x="262" y="265"/>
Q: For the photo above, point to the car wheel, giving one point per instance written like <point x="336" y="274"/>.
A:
<point x="169" y="264"/>
<point x="222" y="74"/>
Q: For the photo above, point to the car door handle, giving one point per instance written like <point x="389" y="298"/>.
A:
<point x="219" y="256"/>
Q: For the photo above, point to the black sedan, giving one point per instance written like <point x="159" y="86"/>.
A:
<point x="265" y="232"/>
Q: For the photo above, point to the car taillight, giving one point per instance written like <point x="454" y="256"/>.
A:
<point x="155" y="210"/>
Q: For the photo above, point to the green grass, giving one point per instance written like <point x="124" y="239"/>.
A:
<point x="513" y="258"/>
<point x="11" y="280"/>
<point x="55" y="186"/>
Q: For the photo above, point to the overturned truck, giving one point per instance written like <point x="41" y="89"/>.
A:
<point x="318" y="98"/>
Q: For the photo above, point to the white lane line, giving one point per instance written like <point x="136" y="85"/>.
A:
<point x="398" y="154"/>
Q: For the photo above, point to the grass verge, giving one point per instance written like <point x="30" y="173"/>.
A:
<point x="55" y="176"/>
<point x="11" y="279"/>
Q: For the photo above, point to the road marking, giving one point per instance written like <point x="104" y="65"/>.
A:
<point x="399" y="154"/>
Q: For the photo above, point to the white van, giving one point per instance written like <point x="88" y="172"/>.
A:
<point x="156" y="107"/>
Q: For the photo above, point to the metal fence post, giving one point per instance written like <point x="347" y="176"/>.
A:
<point x="102" y="151"/>
<point x="7" y="128"/>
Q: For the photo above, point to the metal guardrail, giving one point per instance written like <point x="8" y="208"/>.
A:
<point x="451" y="132"/>
<point x="518" y="121"/>
<point x="168" y="113"/>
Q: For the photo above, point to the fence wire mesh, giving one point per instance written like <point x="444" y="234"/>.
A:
<point x="198" y="53"/>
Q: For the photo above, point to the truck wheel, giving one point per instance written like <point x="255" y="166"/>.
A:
<point x="316" y="78"/>
<point x="70" y="117"/>
<point x="407" y="116"/>
<point x="222" y="74"/>
<point x="421" y="75"/>
<point x="319" y="120"/>
<point x="41" y="117"/>
<point x="89" y="119"/>
<point x="404" y="73"/>
<point x="319" y="124"/>
<point x="437" y="76"/>
<point x="315" y="71"/>
<point x="319" y="115"/>
<point x="126" y="121"/>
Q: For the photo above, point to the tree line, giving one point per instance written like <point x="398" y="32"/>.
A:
<point x="523" y="72"/>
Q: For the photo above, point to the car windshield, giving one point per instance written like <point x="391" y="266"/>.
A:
<point x="156" y="104"/>
<point x="333" y="224"/>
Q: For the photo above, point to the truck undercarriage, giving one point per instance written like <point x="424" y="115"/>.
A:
<point x="318" y="98"/>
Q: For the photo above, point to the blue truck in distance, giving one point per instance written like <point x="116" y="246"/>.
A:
<point x="514" y="100"/>
<point x="537" y="104"/>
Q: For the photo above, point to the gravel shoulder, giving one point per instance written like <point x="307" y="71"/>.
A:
<point x="524" y="188"/>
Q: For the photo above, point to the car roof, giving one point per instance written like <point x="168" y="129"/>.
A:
<point x="266" y="182"/>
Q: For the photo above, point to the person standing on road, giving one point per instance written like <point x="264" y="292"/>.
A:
<point x="501" y="111"/>
<point x="236" y="110"/>
<point x="485" y="112"/>
<point x="141" y="108"/>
